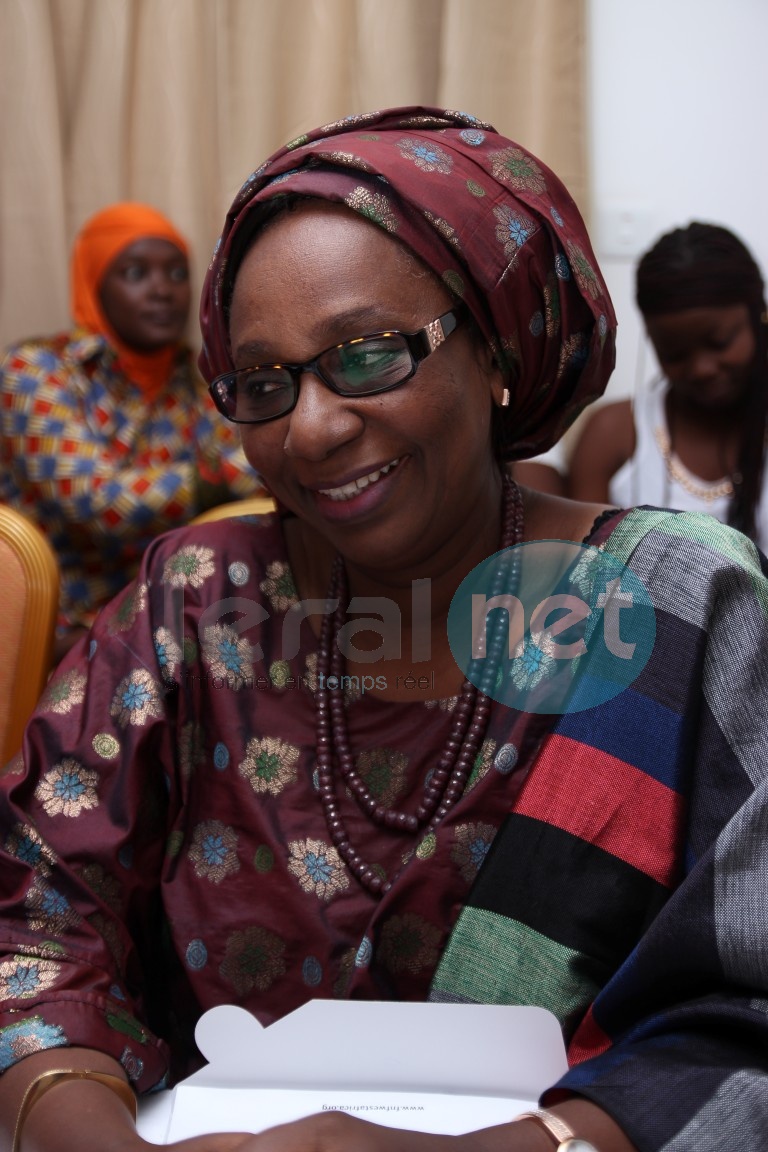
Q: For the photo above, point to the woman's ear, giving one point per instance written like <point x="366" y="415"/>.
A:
<point x="500" y="385"/>
<point x="497" y="378"/>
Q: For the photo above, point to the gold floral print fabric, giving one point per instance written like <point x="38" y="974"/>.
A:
<point x="168" y="820"/>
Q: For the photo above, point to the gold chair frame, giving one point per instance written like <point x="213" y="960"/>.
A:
<point x="30" y="574"/>
<point x="249" y="506"/>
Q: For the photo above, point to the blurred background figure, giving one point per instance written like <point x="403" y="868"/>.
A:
<point x="107" y="436"/>
<point x="545" y="473"/>
<point x="695" y="439"/>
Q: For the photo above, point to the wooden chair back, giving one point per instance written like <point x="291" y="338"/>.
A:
<point x="29" y="579"/>
<point x="249" y="506"/>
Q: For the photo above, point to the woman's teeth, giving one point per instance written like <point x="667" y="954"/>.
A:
<point x="347" y="491"/>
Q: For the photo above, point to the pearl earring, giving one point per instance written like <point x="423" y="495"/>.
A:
<point x="505" y="397"/>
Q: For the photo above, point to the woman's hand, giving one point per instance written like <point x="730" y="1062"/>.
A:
<point x="218" y="1142"/>
<point x="339" y="1132"/>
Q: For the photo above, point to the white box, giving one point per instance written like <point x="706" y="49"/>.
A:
<point x="447" y="1068"/>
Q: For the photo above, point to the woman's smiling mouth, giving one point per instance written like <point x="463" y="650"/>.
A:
<point x="355" y="487"/>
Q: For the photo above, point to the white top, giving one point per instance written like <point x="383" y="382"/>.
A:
<point x="655" y="475"/>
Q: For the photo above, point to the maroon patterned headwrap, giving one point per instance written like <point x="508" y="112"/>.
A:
<point x="490" y="220"/>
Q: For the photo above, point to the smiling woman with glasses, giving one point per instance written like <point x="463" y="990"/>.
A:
<point x="272" y="775"/>
<point x="364" y="366"/>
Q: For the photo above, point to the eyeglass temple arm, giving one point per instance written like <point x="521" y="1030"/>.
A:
<point x="438" y="331"/>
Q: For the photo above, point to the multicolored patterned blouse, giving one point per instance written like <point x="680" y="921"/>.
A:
<point x="102" y="472"/>
<point x="165" y="849"/>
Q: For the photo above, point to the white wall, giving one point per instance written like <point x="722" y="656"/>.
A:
<point x="678" y="107"/>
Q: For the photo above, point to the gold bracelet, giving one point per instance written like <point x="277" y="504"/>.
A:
<point x="47" y="1080"/>
<point x="555" y="1126"/>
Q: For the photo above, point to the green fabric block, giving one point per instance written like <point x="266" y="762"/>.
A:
<point x="494" y="960"/>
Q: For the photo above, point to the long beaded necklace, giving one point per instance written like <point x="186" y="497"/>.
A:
<point x="445" y="783"/>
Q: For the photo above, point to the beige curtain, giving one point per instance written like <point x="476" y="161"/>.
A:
<point x="174" y="102"/>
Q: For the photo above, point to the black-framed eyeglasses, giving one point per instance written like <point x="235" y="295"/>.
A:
<point x="361" y="367"/>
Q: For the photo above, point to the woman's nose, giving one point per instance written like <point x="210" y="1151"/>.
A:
<point x="321" y="422"/>
<point x="161" y="285"/>
<point x="702" y="365"/>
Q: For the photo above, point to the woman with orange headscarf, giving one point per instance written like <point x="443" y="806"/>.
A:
<point x="106" y="438"/>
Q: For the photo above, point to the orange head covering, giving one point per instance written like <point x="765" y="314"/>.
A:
<point x="99" y="241"/>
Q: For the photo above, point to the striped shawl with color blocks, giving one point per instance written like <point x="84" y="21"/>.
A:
<point x="627" y="890"/>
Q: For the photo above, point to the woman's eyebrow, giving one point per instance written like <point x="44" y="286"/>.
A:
<point x="355" y="322"/>
<point x="336" y="329"/>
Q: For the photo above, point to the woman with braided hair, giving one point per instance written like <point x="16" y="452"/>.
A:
<point x="695" y="439"/>
<point x="232" y="792"/>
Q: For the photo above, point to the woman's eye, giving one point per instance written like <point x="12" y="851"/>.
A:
<point x="254" y="385"/>
<point x="721" y="343"/>
<point x="365" y="362"/>
<point x="133" y="273"/>
<point x="179" y="274"/>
